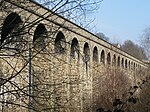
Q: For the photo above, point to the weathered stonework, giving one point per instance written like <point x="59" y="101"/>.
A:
<point x="68" y="73"/>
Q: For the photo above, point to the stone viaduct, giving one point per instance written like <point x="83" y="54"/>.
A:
<point x="61" y="52"/>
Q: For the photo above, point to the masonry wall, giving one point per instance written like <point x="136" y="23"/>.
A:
<point x="67" y="60"/>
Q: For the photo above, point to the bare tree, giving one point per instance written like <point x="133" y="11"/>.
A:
<point x="145" y="41"/>
<point x="134" y="49"/>
<point x="29" y="76"/>
<point x="115" y="92"/>
<point x="103" y="36"/>
<point x="113" y="84"/>
<point x="33" y="74"/>
<point x="74" y="10"/>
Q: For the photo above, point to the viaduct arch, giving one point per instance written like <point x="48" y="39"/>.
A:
<point x="74" y="52"/>
<point x="59" y="38"/>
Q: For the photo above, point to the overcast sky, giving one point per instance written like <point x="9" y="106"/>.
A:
<point x="123" y="19"/>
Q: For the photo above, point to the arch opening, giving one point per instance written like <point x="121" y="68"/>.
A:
<point x="108" y="59"/>
<point x="40" y="36"/>
<point x="122" y="62"/>
<point x="11" y="31"/>
<point x="103" y="57"/>
<point x="86" y="57"/>
<point x="129" y="65"/>
<point x="118" y="64"/>
<point x="74" y="49"/>
<point x="134" y="66"/>
<point x="95" y="54"/>
<point x="60" y="43"/>
<point x="126" y="64"/>
<point x="114" y="60"/>
<point x="86" y="52"/>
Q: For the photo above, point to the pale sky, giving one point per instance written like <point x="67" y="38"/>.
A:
<point x="122" y="20"/>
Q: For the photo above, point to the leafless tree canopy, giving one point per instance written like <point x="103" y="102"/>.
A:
<point x="33" y="74"/>
<point x="27" y="77"/>
<point x="145" y="41"/>
<point x="134" y="49"/>
<point x="74" y="10"/>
